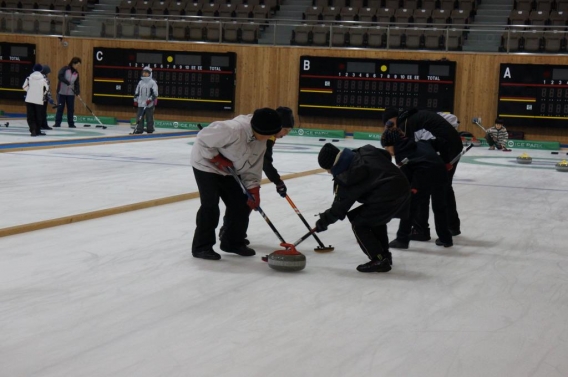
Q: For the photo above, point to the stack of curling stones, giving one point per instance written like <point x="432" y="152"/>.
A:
<point x="524" y="159"/>
<point x="562" y="166"/>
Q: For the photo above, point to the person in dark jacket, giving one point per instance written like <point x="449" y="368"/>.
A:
<point x="67" y="88"/>
<point x="287" y="118"/>
<point x="428" y="176"/>
<point x="427" y="125"/>
<point x="368" y="176"/>
<point x="47" y="98"/>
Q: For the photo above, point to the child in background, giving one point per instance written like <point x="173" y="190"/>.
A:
<point x="144" y="97"/>
<point x="497" y="136"/>
<point x="35" y="87"/>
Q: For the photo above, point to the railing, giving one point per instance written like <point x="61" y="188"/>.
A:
<point x="511" y="38"/>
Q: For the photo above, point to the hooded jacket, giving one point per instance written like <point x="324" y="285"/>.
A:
<point x="448" y="142"/>
<point x="147" y="89"/>
<point x="368" y="176"/>
<point x="35" y="85"/>
<point x="234" y="139"/>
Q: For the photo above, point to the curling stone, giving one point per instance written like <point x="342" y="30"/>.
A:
<point x="562" y="166"/>
<point x="524" y="159"/>
<point x="475" y="142"/>
<point x="286" y="260"/>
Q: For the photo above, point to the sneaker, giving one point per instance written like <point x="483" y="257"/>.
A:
<point x="445" y="244"/>
<point x="492" y="148"/>
<point x="57" y="125"/>
<point x="41" y="134"/>
<point x="396" y="244"/>
<point x="376" y="265"/>
<point x="417" y="236"/>
<point x="206" y="254"/>
<point x="137" y="133"/>
<point x="47" y="128"/>
<point x="455" y="232"/>
<point x="70" y="126"/>
<point x="243" y="251"/>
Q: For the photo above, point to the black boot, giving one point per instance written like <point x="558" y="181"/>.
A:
<point x="243" y="251"/>
<point x="222" y="231"/>
<point x="396" y="244"/>
<point x="445" y="244"/>
<point x="206" y="254"/>
<point x="376" y="265"/>
<point x="455" y="232"/>
<point x="417" y="236"/>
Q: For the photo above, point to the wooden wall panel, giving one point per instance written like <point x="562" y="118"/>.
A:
<point x="268" y="76"/>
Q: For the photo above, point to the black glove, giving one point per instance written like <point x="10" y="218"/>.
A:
<point x="281" y="188"/>
<point x="321" y="226"/>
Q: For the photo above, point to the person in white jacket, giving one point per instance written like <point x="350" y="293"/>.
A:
<point x="144" y="98"/>
<point x="239" y="143"/>
<point x="35" y="86"/>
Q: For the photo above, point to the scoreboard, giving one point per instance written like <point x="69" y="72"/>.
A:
<point x="186" y="80"/>
<point x="16" y="64"/>
<point x="364" y="88"/>
<point x="534" y="95"/>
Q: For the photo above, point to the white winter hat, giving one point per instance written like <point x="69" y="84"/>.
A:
<point x="451" y="119"/>
<point x="147" y="69"/>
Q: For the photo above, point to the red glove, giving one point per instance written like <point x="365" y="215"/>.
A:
<point x="148" y="102"/>
<point x="255" y="192"/>
<point x="449" y="167"/>
<point x="135" y="103"/>
<point x="221" y="162"/>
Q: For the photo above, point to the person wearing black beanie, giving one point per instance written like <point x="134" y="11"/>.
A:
<point x="46" y="70"/>
<point x="368" y="176"/>
<point x="239" y="144"/>
<point x="390" y="114"/>
<point x="287" y="121"/>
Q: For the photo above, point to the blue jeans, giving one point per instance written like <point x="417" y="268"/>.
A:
<point x="61" y="101"/>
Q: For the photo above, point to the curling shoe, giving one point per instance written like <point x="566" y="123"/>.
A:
<point x="445" y="244"/>
<point x="396" y="244"/>
<point x="206" y="254"/>
<point x="376" y="265"/>
<point x="243" y="251"/>
<point x="417" y="236"/>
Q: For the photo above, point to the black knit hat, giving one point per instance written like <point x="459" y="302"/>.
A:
<point x="499" y="121"/>
<point x="391" y="137"/>
<point x="266" y="121"/>
<point x="37" y="68"/>
<point x="391" y="112"/>
<point x="45" y="69"/>
<point x="286" y="116"/>
<point x="327" y="156"/>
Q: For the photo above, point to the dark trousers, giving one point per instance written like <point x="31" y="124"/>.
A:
<point x="373" y="239"/>
<point x="420" y="220"/>
<point x="149" y="114"/>
<point x="34" y="115"/>
<point x="63" y="100"/>
<point x="44" y="116"/>
<point x="212" y="187"/>
<point x="439" y="207"/>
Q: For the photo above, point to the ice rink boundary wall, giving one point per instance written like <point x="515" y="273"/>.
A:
<point x="268" y="76"/>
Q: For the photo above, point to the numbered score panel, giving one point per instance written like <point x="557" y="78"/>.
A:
<point x="364" y="88"/>
<point x="534" y="95"/>
<point x="16" y="64"/>
<point x="186" y="80"/>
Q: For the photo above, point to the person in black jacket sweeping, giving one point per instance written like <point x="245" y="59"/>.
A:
<point x="428" y="176"/>
<point x="427" y="125"/>
<point x="366" y="175"/>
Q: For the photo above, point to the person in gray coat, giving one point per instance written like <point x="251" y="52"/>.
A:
<point x="144" y="100"/>
<point x="239" y="144"/>
<point x="67" y="88"/>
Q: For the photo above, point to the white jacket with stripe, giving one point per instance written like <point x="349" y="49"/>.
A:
<point x="35" y="85"/>
<point x="234" y="140"/>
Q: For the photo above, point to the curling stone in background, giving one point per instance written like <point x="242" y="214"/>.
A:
<point x="562" y="166"/>
<point x="524" y="159"/>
